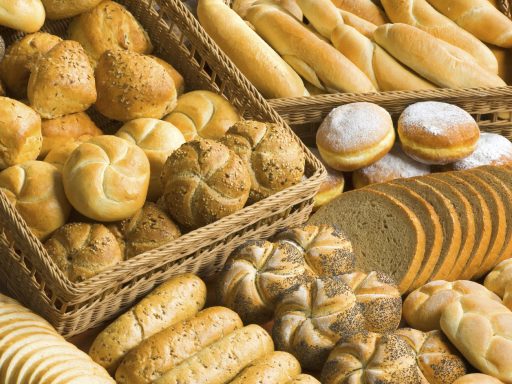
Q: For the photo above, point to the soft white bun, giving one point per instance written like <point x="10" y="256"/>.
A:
<point x="24" y="15"/>
<point x="61" y="9"/>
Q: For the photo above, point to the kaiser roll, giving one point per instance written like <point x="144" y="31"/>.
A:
<point x="35" y="189"/>
<point x="131" y="85"/>
<point x="179" y="81"/>
<point x="62" y="81"/>
<point x="20" y="133"/>
<point x="203" y="114"/>
<point x="204" y="181"/>
<point x="61" y="9"/>
<point x="158" y="139"/>
<point x="24" y="15"/>
<point x="83" y="250"/>
<point x="272" y="155"/>
<point x="107" y="178"/>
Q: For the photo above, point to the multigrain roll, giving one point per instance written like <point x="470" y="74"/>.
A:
<point x="125" y="94"/>
<point x="83" y="250"/>
<point x="203" y="114"/>
<point x="274" y="158"/>
<point x="179" y="81"/>
<point x="432" y="132"/>
<point x="355" y="135"/>
<point x="98" y="31"/>
<point x="20" y="57"/>
<point x="26" y="15"/>
<point x="58" y="9"/>
<point x="35" y="189"/>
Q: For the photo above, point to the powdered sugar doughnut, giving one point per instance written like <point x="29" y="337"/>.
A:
<point x="355" y="135"/>
<point x="437" y="133"/>
<point x="395" y="165"/>
<point x="492" y="149"/>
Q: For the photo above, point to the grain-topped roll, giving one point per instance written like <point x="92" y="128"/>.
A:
<point x="24" y="15"/>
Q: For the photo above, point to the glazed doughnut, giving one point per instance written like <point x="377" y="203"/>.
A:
<point x="395" y="165"/>
<point x="492" y="149"/>
<point x="332" y="186"/>
<point x="355" y="135"/>
<point x="437" y="133"/>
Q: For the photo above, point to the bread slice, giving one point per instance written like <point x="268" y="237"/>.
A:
<point x="387" y="236"/>
<point x="466" y="218"/>
<point x="429" y="221"/>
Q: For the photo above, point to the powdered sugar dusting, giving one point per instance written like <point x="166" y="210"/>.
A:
<point x="492" y="149"/>
<point x="353" y="127"/>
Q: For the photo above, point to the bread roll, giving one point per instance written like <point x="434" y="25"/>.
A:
<point x="179" y="81"/>
<point x="123" y="94"/>
<point x="420" y="14"/>
<point x="304" y="379"/>
<point x="20" y="133"/>
<point x="169" y="348"/>
<point x="21" y="57"/>
<point x="62" y="81"/>
<point x="98" y="31"/>
<point x="106" y="178"/>
<point x="477" y="378"/>
<point x="277" y="368"/>
<point x="203" y="114"/>
<point x="83" y="250"/>
<point x="159" y="139"/>
<point x="314" y="59"/>
<point x="241" y="6"/>
<point x="176" y="300"/>
<point x="322" y="14"/>
<point x="363" y="26"/>
<point x="498" y="279"/>
<point x="59" y="155"/>
<point x="203" y="182"/>
<point x="61" y="130"/>
<point x="256" y="60"/>
<point x="436" y="61"/>
<point x="58" y="9"/>
<point x="24" y="15"/>
<point x="273" y="156"/>
<point x="35" y="189"/>
<point x="365" y="9"/>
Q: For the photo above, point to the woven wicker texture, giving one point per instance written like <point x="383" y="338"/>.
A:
<point x="31" y="276"/>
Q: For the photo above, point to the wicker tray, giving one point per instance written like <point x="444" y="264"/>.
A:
<point x="32" y="277"/>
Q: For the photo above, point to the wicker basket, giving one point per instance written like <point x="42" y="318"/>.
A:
<point x="32" y="277"/>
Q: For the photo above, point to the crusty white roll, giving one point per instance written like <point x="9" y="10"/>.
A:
<point x="365" y="9"/>
<point x="58" y="9"/>
<point x="35" y="189"/>
<point x="323" y="15"/>
<point x="24" y="15"/>
<point x="477" y="378"/>
<point x="290" y="6"/>
<point x="107" y="178"/>
<point x="420" y="14"/>
<point x="313" y="58"/>
<point x="159" y="139"/>
<point x="437" y="61"/>
<point x="363" y="26"/>
<point x="256" y="60"/>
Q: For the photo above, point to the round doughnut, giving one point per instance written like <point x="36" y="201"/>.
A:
<point x="437" y="133"/>
<point x="395" y="165"/>
<point x="355" y="135"/>
<point x="332" y="186"/>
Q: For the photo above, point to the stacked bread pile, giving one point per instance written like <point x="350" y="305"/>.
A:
<point x="291" y="48"/>
<point x="180" y="161"/>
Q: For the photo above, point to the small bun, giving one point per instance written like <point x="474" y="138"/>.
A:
<point x="106" y="178"/>
<point x="62" y="81"/>
<point x="58" y="9"/>
<point x="108" y="26"/>
<point x="275" y="159"/>
<point x="159" y="139"/>
<point x="35" y="189"/>
<point x="20" y="57"/>
<point x="83" y="250"/>
<point x="20" y="133"/>
<point x="203" y="182"/>
<point x="59" y="155"/>
<point x="179" y="81"/>
<point x="355" y="135"/>
<point x="477" y="378"/>
<point x="131" y="86"/>
<point x="437" y="133"/>
<point x="203" y="114"/>
<point x="26" y="15"/>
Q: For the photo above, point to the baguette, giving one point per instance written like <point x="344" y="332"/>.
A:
<point x="363" y="26"/>
<point x="258" y="62"/>
<point x="480" y="18"/>
<point x="290" y="6"/>
<point x="363" y="8"/>
<point x="322" y="14"/>
<point x="317" y="61"/>
<point x="422" y="15"/>
<point x="434" y="59"/>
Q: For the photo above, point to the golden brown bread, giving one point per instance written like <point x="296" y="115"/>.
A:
<point x="323" y="15"/>
<point x="241" y="6"/>
<point x="179" y="81"/>
<point x="20" y="57"/>
<point x="62" y="9"/>
<point x="273" y="157"/>
<point x="20" y="133"/>
<point x="365" y="9"/>
<point x="59" y="155"/>
<point x="106" y="178"/>
<point x="124" y="94"/>
<point x="276" y="368"/>
<point x="333" y="185"/>
<point x="176" y="300"/>
<point x="99" y="30"/>
<point x="203" y="182"/>
<point x="35" y="189"/>
<point x="363" y="26"/>
<point x="477" y="378"/>
<point x="62" y="81"/>
<point x="83" y="250"/>
<point x="498" y="279"/>
<point x="24" y="15"/>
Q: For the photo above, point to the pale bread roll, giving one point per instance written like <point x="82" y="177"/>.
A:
<point x="241" y="6"/>
<point x="365" y="9"/>
<point x="179" y="81"/>
<point x="59" y="9"/>
<point x="498" y="279"/>
<point x="24" y="15"/>
<point x="276" y="367"/>
<point x="477" y="378"/>
<point x="363" y="26"/>
<point x="178" y="299"/>
<point x="322" y="14"/>
<point x="256" y="60"/>
<point x="58" y="156"/>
